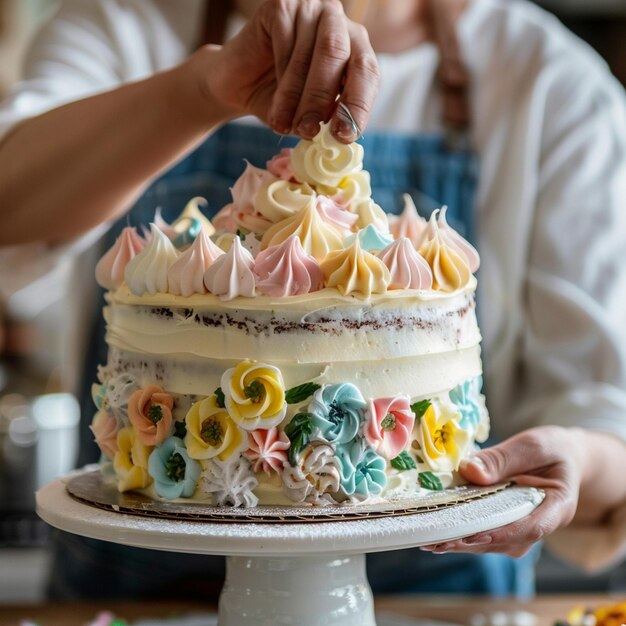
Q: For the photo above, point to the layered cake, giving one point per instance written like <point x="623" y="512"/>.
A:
<point x="303" y="347"/>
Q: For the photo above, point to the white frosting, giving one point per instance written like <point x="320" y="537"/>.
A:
<point x="230" y="483"/>
<point x="231" y="274"/>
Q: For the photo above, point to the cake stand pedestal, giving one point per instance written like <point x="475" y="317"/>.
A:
<point x="289" y="574"/>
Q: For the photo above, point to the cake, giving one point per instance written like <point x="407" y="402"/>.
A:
<point x="302" y="348"/>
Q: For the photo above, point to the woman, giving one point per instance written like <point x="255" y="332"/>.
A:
<point x="547" y="121"/>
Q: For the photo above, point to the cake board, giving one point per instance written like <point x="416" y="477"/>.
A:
<point x="289" y="574"/>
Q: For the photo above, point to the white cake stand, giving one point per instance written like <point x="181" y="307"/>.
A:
<point x="290" y="574"/>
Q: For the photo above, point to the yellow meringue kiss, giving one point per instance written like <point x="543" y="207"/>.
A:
<point x="354" y="270"/>
<point x="317" y="237"/>
<point x="254" y="395"/>
<point x="279" y="199"/>
<point x="371" y="213"/>
<point x="131" y="461"/>
<point x="324" y="160"/>
<point x="211" y="432"/>
<point x="450" y="269"/>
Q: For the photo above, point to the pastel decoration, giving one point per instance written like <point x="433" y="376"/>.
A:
<point x="131" y="461"/>
<point x="231" y="274"/>
<point x="352" y="190"/>
<point x="407" y="267"/>
<point x="150" y="414"/>
<point x="186" y="275"/>
<point x="337" y="411"/>
<point x="244" y="192"/>
<point x="449" y="267"/>
<point x="324" y="160"/>
<point x="147" y="272"/>
<point x="267" y="450"/>
<point x="470" y="403"/>
<point x="389" y="425"/>
<point x="119" y="389"/>
<point x="362" y="470"/>
<point x="110" y="268"/>
<point x="254" y="395"/>
<point x="354" y="270"/>
<point x="457" y="242"/>
<point x="335" y="214"/>
<point x="224" y="220"/>
<point x="161" y="224"/>
<point x="105" y="428"/>
<point x="280" y="164"/>
<point x="279" y="199"/>
<point x="368" y="212"/>
<point x="287" y="270"/>
<point x="409" y="223"/>
<point x="193" y="217"/>
<point x="230" y="483"/>
<point x="316" y="236"/>
<point x="174" y="472"/>
<point x="370" y="239"/>
<point x="189" y="227"/>
<point x="211" y="432"/>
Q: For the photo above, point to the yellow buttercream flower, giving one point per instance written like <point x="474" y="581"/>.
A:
<point x="211" y="432"/>
<point x="254" y="395"/>
<point x="444" y="443"/>
<point x="279" y="199"/>
<point x="131" y="461"/>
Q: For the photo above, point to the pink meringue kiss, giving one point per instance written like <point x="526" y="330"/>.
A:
<point x="389" y="426"/>
<point x="458" y="243"/>
<point x="231" y="275"/>
<point x="287" y="270"/>
<point x="335" y="214"/>
<point x="409" y="223"/>
<point x="162" y="225"/>
<point x="225" y="219"/>
<point x="280" y="164"/>
<point x="267" y="450"/>
<point x="110" y="268"/>
<point x="408" y="268"/>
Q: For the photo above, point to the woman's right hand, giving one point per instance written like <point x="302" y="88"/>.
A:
<point x="289" y="64"/>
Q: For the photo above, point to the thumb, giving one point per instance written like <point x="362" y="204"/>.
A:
<point x="487" y="467"/>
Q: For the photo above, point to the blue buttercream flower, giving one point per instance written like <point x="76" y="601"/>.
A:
<point x="370" y="238"/>
<point x="362" y="471"/>
<point x="466" y="399"/>
<point x="174" y="472"/>
<point x="337" y="410"/>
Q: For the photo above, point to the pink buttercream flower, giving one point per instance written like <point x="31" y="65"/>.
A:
<point x="268" y="450"/>
<point x="104" y="428"/>
<point x="280" y="164"/>
<point x="389" y="425"/>
<point x="150" y="413"/>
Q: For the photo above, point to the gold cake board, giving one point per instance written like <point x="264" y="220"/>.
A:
<point x="90" y="488"/>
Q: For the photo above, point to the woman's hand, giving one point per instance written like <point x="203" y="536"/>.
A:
<point x="290" y="63"/>
<point x="548" y="457"/>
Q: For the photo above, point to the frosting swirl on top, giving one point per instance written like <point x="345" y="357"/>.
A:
<point x="231" y="273"/>
<point x="324" y="160"/>
<point x="450" y="268"/>
<point x="186" y="275"/>
<point x="147" y="272"/>
<point x="409" y="223"/>
<point x="408" y="269"/>
<point x="279" y="199"/>
<point x="286" y="270"/>
<point x="352" y="189"/>
<point x="354" y="270"/>
<point x="110" y="268"/>
<point x="316" y="236"/>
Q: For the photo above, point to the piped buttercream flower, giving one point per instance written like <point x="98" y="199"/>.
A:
<point x="352" y="190"/>
<point x="409" y="223"/>
<point x="286" y="270"/>
<point x="279" y="199"/>
<point x="471" y="405"/>
<point x="324" y="160"/>
<point x="316" y="476"/>
<point x="280" y="164"/>
<point x="174" y="472"/>
<point x="131" y="461"/>
<point x="267" y="450"/>
<point x="110" y="268"/>
<point x="389" y="425"/>
<point x="407" y="267"/>
<point x="105" y="428"/>
<point x="354" y="270"/>
<point x="254" y="395"/>
<point x="231" y="483"/>
<point x="147" y="272"/>
<point x="186" y="275"/>
<point x="150" y="413"/>
<point x="335" y="214"/>
<point x="231" y="274"/>
<point x="119" y="389"/>
<point x="317" y="237"/>
<point x="362" y="470"/>
<point x="337" y="411"/>
<point x="370" y="239"/>
<point x="211" y="432"/>
<point x="444" y="443"/>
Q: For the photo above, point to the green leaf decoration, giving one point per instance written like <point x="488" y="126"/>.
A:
<point x="220" y="398"/>
<point x="404" y="461"/>
<point x="180" y="429"/>
<point x="299" y="429"/>
<point x="301" y="393"/>
<point x="429" y="481"/>
<point x="419" y="408"/>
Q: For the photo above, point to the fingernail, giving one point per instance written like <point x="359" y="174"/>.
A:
<point x="309" y="125"/>
<point x="427" y="548"/>
<point x="476" y="461"/>
<point x="442" y="548"/>
<point x="343" y="129"/>
<point x="477" y="541"/>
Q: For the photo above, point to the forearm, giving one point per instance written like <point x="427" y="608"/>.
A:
<point x="65" y="171"/>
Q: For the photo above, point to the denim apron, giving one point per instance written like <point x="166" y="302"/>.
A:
<point x="433" y="174"/>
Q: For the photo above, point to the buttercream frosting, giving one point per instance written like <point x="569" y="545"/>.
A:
<point x="369" y="212"/>
<point x="370" y="238"/>
<point x="267" y="450"/>
<point x="335" y="214"/>
<point x="243" y="211"/>
<point x="231" y="483"/>
<point x="352" y="189"/>
<point x="193" y="212"/>
<point x="231" y="274"/>
<point x="408" y="268"/>
<point x="409" y="223"/>
<point x="280" y="164"/>
<point x="279" y="199"/>
<point x="110" y="268"/>
<point x="457" y="242"/>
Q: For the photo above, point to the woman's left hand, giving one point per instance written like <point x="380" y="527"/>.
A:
<point x="548" y="457"/>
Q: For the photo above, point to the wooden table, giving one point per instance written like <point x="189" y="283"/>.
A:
<point x="450" y="608"/>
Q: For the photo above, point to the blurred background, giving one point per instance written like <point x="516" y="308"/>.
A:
<point x="38" y="413"/>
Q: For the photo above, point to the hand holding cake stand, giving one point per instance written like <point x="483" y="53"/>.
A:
<point x="288" y="571"/>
